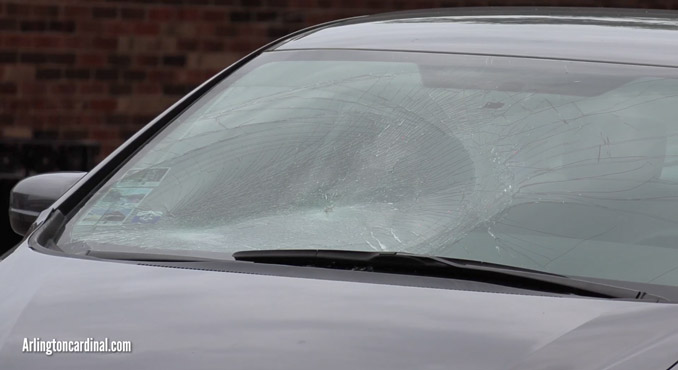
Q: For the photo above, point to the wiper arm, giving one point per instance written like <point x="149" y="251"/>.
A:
<point x="414" y="264"/>
<point x="146" y="256"/>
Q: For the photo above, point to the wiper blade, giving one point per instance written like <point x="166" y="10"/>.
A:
<point x="415" y="264"/>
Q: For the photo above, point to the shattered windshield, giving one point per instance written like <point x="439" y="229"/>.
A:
<point x="560" y="166"/>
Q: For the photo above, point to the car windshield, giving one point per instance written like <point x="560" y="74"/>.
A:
<point x="560" y="166"/>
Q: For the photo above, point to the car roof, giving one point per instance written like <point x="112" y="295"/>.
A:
<point x="629" y="36"/>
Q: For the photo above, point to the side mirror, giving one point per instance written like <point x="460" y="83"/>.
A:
<point x="34" y="194"/>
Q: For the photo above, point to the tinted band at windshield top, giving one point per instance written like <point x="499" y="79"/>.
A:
<point x="560" y="166"/>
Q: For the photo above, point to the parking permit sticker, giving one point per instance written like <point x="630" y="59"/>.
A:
<point x="120" y="204"/>
<point x="115" y="207"/>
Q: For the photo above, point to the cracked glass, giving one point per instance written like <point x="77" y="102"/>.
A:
<point x="560" y="166"/>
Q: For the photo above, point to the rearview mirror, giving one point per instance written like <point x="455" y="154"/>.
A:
<point x="34" y="194"/>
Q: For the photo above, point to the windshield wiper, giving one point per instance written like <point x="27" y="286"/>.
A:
<point x="414" y="264"/>
<point x="147" y="256"/>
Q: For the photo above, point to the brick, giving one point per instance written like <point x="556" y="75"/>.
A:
<point x="109" y="43"/>
<point x="89" y="119"/>
<point x="276" y="3"/>
<point x="106" y="74"/>
<point x="117" y="119"/>
<point x="174" y="60"/>
<point x="102" y="134"/>
<point x="119" y="60"/>
<point x="74" y="42"/>
<point x="18" y="72"/>
<point x="212" y="46"/>
<point x="309" y="3"/>
<point x="89" y="27"/>
<point x="103" y="105"/>
<point x="293" y="17"/>
<point x="33" y="58"/>
<point x="48" y="74"/>
<point x="58" y="119"/>
<point x="146" y="28"/>
<point x="33" y="26"/>
<point x="226" y="31"/>
<point x="124" y="89"/>
<point x="8" y="57"/>
<point x="8" y="88"/>
<point x="132" y="13"/>
<point x="47" y="42"/>
<point x="188" y="14"/>
<point x="147" y="89"/>
<point x="91" y="60"/>
<point x="115" y="28"/>
<point x="214" y="15"/>
<point x="133" y="75"/>
<point x="92" y="88"/>
<point x="158" y="75"/>
<point x="147" y="60"/>
<point x="240" y="16"/>
<point x="22" y="10"/>
<point x="17" y="132"/>
<point x="75" y="11"/>
<point x="104" y="12"/>
<point x="187" y="44"/>
<point x="78" y="134"/>
<point x="63" y="89"/>
<point x="265" y="16"/>
<point x="33" y="89"/>
<point x="8" y="24"/>
<point x="61" y="58"/>
<point x="45" y="10"/>
<point x="77" y="74"/>
<point x="207" y="28"/>
<point x="45" y="134"/>
<point x="61" y="26"/>
<point x="162" y="14"/>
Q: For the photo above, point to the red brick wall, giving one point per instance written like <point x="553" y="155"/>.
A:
<point x="76" y="69"/>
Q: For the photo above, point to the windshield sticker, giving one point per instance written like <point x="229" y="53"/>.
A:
<point x="120" y="203"/>
<point x="115" y="207"/>
<point x="146" y="177"/>
<point x="146" y="217"/>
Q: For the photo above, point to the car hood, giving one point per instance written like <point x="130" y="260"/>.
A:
<point x="188" y="319"/>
